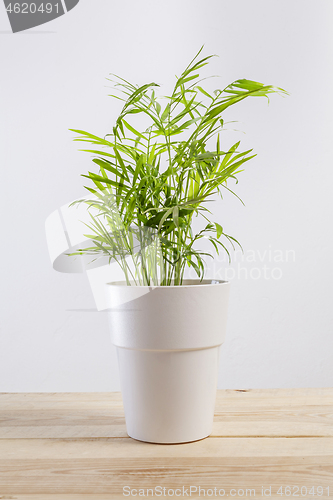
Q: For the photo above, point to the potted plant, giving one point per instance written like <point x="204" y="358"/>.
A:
<point x="152" y="179"/>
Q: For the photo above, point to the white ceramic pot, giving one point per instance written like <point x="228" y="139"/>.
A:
<point x="168" y="341"/>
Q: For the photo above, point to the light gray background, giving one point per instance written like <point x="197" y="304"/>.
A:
<point x="53" y="78"/>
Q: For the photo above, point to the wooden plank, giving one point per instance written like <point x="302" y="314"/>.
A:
<point x="66" y="401"/>
<point x="298" y="421"/>
<point x="25" y="449"/>
<point x="111" y="476"/>
<point x="262" y="413"/>
<point x="243" y="397"/>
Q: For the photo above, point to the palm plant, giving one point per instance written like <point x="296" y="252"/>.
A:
<point x="152" y="182"/>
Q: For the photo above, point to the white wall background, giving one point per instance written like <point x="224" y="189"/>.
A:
<point x="280" y="331"/>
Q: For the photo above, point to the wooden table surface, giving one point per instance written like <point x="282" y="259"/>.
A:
<point x="75" y="446"/>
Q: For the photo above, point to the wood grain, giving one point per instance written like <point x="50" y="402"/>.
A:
<point x="75" y="446"/>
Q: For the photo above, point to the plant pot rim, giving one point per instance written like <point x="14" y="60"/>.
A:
<point x="188" y="283"/>
<point x="168" y="317"/>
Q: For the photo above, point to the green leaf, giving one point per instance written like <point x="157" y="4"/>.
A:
<point x="132" y="129"/>
<point x="138" y="168"/>
<point x="104" y="164"/>
<point x="165" y="216"/>
<point x="204" y="92"/>
<point x="165" y="113"/>
<point x="121" y="163"/>
<point x="219" y="230"/>
<point x="101" y="179"/>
